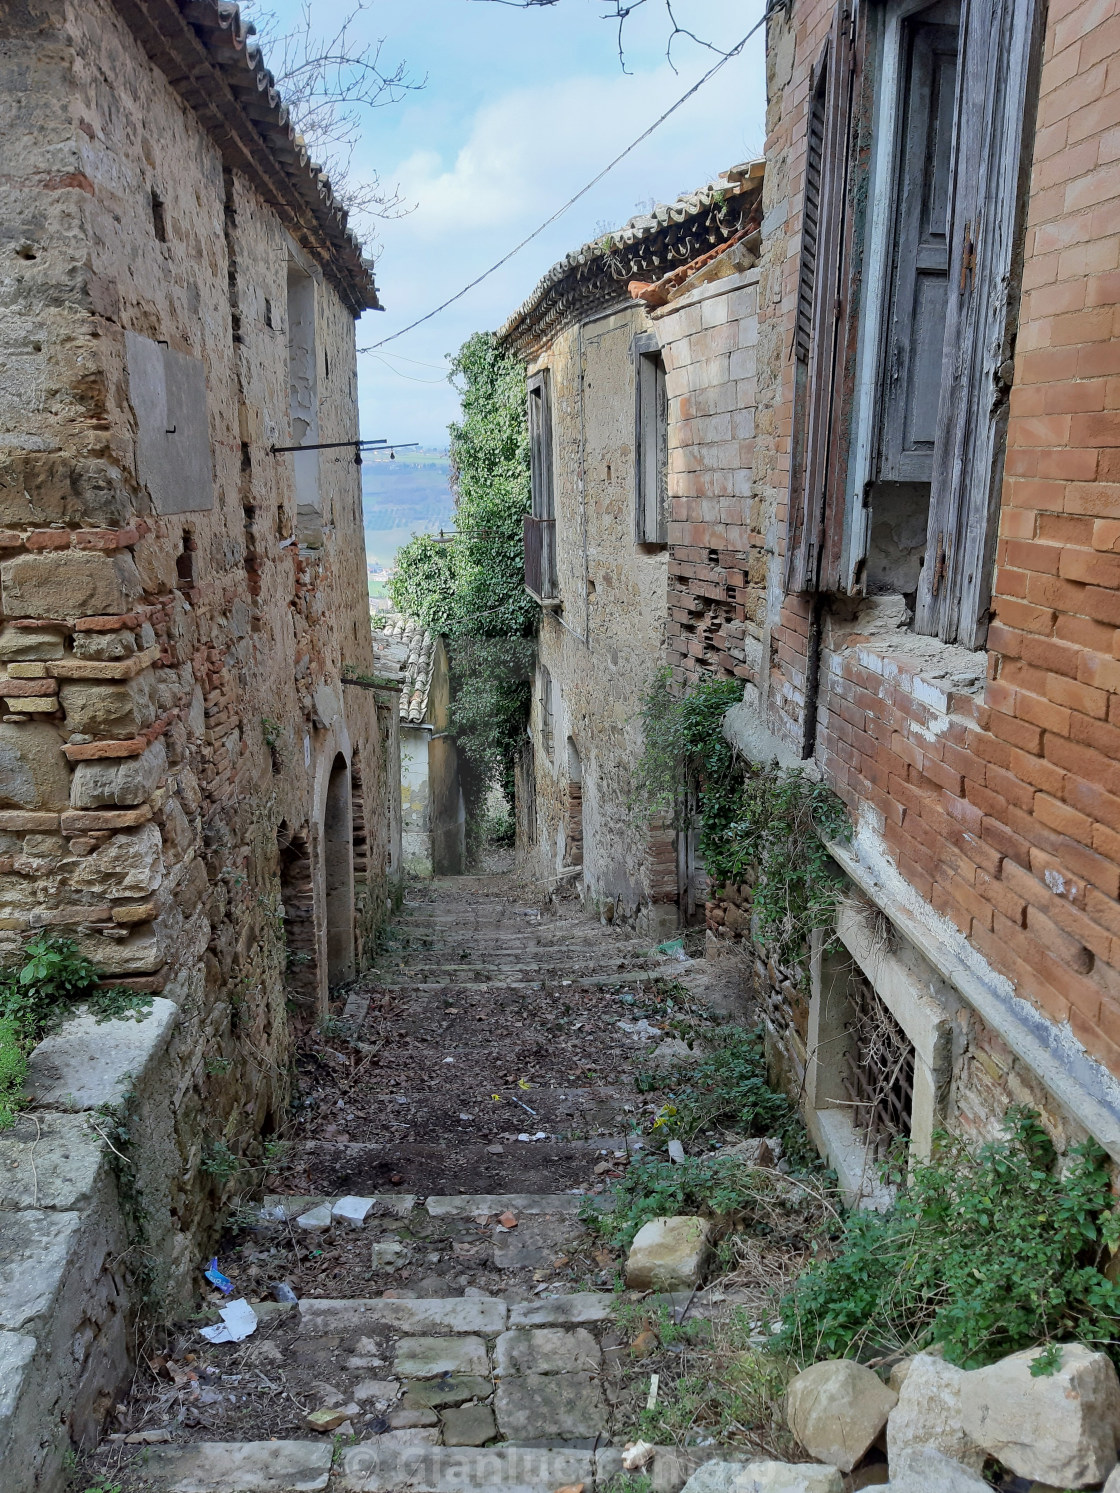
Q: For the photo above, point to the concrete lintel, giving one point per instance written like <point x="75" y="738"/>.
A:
<point x="745" y="728"/>
<point x="1086" y="1089"/>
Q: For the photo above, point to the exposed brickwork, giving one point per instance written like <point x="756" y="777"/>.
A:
<point x="998" y="795"/>
<point x="708" y="337"/>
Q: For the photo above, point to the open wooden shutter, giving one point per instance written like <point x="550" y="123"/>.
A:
<point x="651" y="444"/>
<point x="907" y="420"/>
<point x="815" y="478"/>
<point x="991" y="164"/>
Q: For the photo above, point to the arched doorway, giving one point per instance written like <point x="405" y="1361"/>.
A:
<point x="338" y="875"/>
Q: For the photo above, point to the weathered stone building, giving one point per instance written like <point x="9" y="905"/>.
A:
<point x="188" y="788"/>
<point x="432" y="816"/>
<point x="607" y="373"/>
<point x="931" y="592"/>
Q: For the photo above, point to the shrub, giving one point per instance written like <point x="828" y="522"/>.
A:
<point x="983" y="1253"/>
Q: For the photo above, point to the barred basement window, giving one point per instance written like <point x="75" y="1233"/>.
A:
<point x="878" y="1069"/>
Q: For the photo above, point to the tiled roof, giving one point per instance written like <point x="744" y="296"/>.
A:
<point x="648" y="247"/>
<point x="211" y="58"/>
<point x="406" y="650"/>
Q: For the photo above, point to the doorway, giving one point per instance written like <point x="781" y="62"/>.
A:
<point x="338" y="875"/>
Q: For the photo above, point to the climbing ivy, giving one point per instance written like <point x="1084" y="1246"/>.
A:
<point x="470" y="589"/>
<point x="757" y="824"/>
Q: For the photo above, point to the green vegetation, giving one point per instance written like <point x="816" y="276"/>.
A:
<point x="470" y="587"/>
<point x="759" y="825"/>
<point x="35" y="994"/>
<point x="727" y="1086"/>
<point x="984" y="1253"/>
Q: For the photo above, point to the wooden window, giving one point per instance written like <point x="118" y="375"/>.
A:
<point x="825" y="303"/>
<point x="540" y="525"/>
<point x="651" y="443"/>
<point x="997" y="94"/>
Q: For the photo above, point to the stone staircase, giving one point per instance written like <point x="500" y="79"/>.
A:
<point x="454" y="1328"/>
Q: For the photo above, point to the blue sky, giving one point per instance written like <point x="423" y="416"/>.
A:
<point x="521" y="108"/>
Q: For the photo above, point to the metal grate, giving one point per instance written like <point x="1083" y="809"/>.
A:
<point x="878" y="1076"/>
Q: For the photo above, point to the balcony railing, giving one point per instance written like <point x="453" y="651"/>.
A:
<point x="540" y="558"/>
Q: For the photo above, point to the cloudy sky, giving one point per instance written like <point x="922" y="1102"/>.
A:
<point x="520" y="109"/>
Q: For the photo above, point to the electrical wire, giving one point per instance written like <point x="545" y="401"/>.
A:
<point x="583" y="191"/>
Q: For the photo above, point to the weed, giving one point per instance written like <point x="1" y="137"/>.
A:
<point x="726" y="1087"/>
<point x="628" y="1482"/>
<point x="1048" y="1362"/>
<point x="984" y="1253"/>
<point x="119" y="1003"/>
<point x="272" y="731"/>
<point x="220" y="1162"/>
<point x="217" y="1067"/>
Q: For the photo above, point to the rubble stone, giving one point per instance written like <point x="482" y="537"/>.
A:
<point x="69" y="584"/>
<point x="471" y="1425"/>
<point x="668" y="1254"/>
<point x="1061" y="1428"/>
<point x="926" y="1470"/>
<point x="764" y="1477"/>
<point x="928" y="1414"/>
<point x="33" y="771"/>
<point x="836" y="1409"/>
<point x="130" y="780"/>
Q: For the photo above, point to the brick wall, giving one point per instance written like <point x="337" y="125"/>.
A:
<point x="708" y="338"/>
<point x="992" y="779"/>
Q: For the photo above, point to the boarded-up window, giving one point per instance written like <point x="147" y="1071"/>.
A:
<point x="651" y="444"/>
<point x="167" y="390"/>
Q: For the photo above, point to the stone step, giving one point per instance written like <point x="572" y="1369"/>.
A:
<point x="624" y="977"/>
<point x="247" y="1466"/>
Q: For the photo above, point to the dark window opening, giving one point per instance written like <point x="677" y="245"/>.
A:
<point x="297" y="898"/>
<point x="185" y="561"/>
<point x="651" y="451"/>
<point x="540" y="525"/>
<point x="268" y="313"/>
<point x="546" y="712"/>
<point x="159" y="217"/>
<point x="878" y="1070"/>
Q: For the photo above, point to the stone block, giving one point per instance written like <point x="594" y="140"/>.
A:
<point x="562" y="1311"/>
<point x="928" y="1414"/>
<point x="836" y="1409"/>
<point x="142" y="952"/>
<point x="375" y="1468"/>
<point x="926" y="1470"/>
<point x="486" y="1317"/>
<point x="247" y="1466"/>
<point x="35" y="1250"/>
<point x="449" y="1389"/>
<point x="83" y="821"/>
<point x="351" y="1210"/>
<point x="28" y="822"/>
<point x="50" y="1161"/>
<point x="79" y="1068"/>
<point x="429" y="1357"/>
<point x="71" y="583"/>
<point x="129" y="780"/>
<point x="668" y="1254"/>
<point x="315" y="1220"/>
<point x="472" y="1425"/>
<point x="33" y="771"/>
<point x="1061" y="1428"/>
<point x="28" y="643"/>
<point x="534" y="1406"/>
<point x="16" y="1352"/>
<point x="109" y="708"/>
<point x="128" y="865"/>
<point x="720" y="1476"/>
<point x="387" y="1254"/>
<point x="507" y="1202"/>
<point x="546" y="1350"/>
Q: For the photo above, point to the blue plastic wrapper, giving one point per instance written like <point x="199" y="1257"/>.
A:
<point x="216" y="1278"/>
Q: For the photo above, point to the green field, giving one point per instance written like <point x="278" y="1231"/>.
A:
<point x="411" y="495"/>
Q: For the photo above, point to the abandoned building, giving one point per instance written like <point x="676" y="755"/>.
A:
<point x="188" y="788"/>
<point x="432" y="815"/>
<point x="604" y="553"/>
<point x="930" y="590"/>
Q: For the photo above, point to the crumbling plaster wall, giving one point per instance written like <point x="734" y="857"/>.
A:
<point x="175" y="699"/>
<point x="605" y="645"/>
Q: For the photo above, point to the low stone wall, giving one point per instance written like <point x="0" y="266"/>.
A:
<point x="87" y="1234"/>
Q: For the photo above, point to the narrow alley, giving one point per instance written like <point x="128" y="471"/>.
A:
<point x="432" y="1219"/>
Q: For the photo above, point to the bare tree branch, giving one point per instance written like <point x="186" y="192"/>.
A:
<point x="328" y="80"/>
<point x="621" y="11"/>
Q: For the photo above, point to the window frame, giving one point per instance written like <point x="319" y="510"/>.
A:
<point x="651" y="403"/>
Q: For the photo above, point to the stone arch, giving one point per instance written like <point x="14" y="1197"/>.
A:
<point x="338" y="873"/>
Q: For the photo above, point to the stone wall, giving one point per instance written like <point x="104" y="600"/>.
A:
<point x="603" y="647"/>
<point x="179" y="755"/>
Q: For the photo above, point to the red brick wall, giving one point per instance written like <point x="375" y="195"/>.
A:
<point x="1002" y="806"/>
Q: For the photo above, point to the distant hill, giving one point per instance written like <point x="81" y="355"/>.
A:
<point x="411" y="495"/>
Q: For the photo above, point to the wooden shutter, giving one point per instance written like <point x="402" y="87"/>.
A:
<point x="997" y="94"/>
<point x="540" y="445"/>
<point x="651" y="449"/>
<point x="816" y="478"/>
<point x="911" y="376"/>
